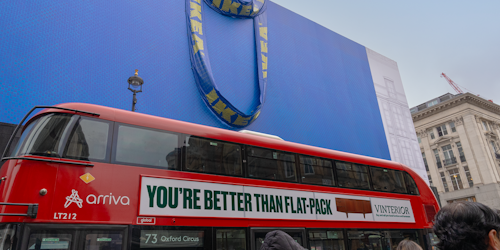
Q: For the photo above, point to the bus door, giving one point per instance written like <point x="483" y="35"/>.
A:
<point x="258" y="234"/>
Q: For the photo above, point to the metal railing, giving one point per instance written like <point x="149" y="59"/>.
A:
<point x="450" y="161"/>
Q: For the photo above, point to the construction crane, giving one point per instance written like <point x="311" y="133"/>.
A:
<point x="455" y="86"/>
<point x="452" y="83"/>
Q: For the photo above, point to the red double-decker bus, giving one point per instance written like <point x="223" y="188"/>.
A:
<point x="84" y="176"/>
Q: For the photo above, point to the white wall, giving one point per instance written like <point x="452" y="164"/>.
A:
<point x="396" y="117"/>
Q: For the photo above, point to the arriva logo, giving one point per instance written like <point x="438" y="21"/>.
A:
<point x="93" y="199"/>
<point x="73" y="198"/>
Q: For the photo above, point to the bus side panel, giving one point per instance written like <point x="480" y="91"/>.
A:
<point x="101" y="194"/>
<point x="25" y="179"/>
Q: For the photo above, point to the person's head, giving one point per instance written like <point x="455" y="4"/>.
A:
<point x="279" y="240"/>
<point x="408" y="245"/>
<point x="467" y="225"/>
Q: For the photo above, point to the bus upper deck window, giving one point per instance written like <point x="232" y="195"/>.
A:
<point x="89" y="140"/>
<point x="411" y="185"/>
<point x="316" y="171"/>
<point x="271" y="164"/>
<point x="43" y="137"/>
<point x="387" y="180"/>
<point x="146" y="147"/>
<point x="210" y="156"/>
<point x="352" y="175"/>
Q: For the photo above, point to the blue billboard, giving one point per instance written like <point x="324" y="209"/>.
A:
<point x="318" y="85"/>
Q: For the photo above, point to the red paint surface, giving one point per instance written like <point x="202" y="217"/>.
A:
<point x="25" y="179"/>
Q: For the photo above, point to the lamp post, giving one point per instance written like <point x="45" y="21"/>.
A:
<point x="135" y="85"/>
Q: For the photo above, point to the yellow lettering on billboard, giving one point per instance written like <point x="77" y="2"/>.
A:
<point x="262" y="1"/>
<point x="228" y="5"/>
<point x="241" y="121"/>
<point x="263" y="47"/>
<point x="220" y="107"/>
<point x="245" y="10"/>
<point x="227" y="113"/>
<point x="198" y="44"/>
<point x="196" y="27"/>
<point x="216" y="3"/>
<point x="198" y="1"/>
<point x="264" y="61"/>
<point x="195" y="10"/>
<point x="263" y="32"/>
<point x="212" y="96"/>
<point x="264" y="74"/>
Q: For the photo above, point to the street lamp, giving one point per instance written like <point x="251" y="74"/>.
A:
<point x="135" y="85"/>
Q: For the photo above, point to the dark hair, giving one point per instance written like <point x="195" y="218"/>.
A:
<point x="465" y="225"/>
<point x="408" y="245"/>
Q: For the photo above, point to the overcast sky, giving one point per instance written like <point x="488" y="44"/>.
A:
<point x="457" y="37"/>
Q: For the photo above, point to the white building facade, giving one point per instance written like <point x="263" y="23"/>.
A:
<point x="459" y="141"/>
<point x="397" y="121"/>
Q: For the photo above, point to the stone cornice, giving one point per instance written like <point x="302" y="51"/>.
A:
<point x="454" y="102"/>
<point x="458" y="121"/>
<point x="444" y="141"/>
<point x="422" y="134"/>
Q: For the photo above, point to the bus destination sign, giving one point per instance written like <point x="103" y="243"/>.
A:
<point x="171" y="197"/>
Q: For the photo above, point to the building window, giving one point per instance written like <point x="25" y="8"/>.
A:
<point x="456" y="181"/>
<point x="289" y="167"/>
<point x="449" y="158"/>
<point x="432" y="135"/>
<point x="493" y="146"/>
<point x="469" y="177"/>
<point x="419" y="140"/>
<point x="425" y="161"/>
<point x="471" y="199"/>
<point x="308" y="167"/>
<point x="430" y="179"/>
<point x="442" y="130"/>
<point x="452" y="127"/>
<point x="485" y="125"/>
<point x="445" y="183"/>
<point x="391" y="89"/>
<point x="461" y="152"/>
<point x="438" y="160"/>
<point x="432" y="103"/>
